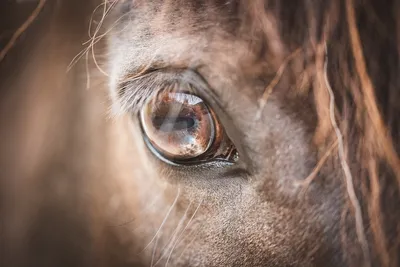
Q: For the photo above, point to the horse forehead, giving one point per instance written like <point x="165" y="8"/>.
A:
<point x="175" y="33"/>
<point x="183" y="15"/>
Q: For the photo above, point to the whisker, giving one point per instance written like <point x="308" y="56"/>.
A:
<point x="186" y="247"/>
<point x="87" y="71"/>
<point x="76" y="58"/>
<point x="85" y="50"/>
<point x="154" y="251"/>
<point x="95" y="38"/>
<point x="183" y="231"/>
<point x="106" y="11"/>
<point x="92" y="18"/>
<point x="174" y="234"/>
<point x="165" y="219"/>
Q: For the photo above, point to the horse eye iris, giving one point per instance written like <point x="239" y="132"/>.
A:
<point x="178" y="125"/>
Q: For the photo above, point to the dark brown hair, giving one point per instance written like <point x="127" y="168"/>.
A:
<point x="346" y="54"/>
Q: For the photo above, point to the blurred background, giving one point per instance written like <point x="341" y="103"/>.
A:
<point x="48" y="118"/>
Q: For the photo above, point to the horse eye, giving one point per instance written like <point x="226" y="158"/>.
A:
<point x="180" y="127"/>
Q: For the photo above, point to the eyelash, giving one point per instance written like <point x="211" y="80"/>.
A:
<point x="134" y="92"/>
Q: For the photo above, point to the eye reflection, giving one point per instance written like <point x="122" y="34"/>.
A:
<point x="181" y="128"/>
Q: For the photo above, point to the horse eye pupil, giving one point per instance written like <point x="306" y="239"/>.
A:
<point x="173" y="124"/>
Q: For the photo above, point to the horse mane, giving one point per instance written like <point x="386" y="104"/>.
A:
<point x="349" y="62"/>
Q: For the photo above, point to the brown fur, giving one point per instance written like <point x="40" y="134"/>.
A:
<point x="80" y="188"/>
